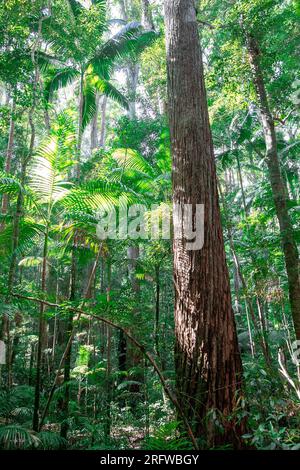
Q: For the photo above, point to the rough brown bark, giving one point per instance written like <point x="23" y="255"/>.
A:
<point x="279" y="190"/>
<point x="208" y="363"/>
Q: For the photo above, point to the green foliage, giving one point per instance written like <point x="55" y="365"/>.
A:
<point x="168" y="438"/>
<point x="55" y="68"/>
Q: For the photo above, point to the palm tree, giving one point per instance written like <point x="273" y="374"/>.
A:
<point x="90" y="65"/>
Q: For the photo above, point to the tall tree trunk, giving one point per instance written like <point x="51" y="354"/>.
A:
<point x="10" y="144"/>
<point x="248" y="296"/>
<point x="147" y="19"/>
<point x="132" y="68"/>
<point x="8" y="158"/>
<point x="132" y="76"/>
<point x="41" y="341"/>
<point x="157" y="309"/>
<point x="94" y="125"/>
<point x="67" y="367"/>
<point x="207" y="358"/>
<point x="133" y="253"/>
<point x="279" y="190"/>
<point x="80" y="131"/>
<point x="25" y="161"/>
<point x="103" y="122"/>
<point x="68" y="346"/>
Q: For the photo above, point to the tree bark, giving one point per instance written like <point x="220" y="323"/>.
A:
<point x="103" y="122"/>
<point x="279" y="191"/>
<point x="207" y="358"/>
<point x="147" y="19"/>
<point x="132" y="76"/>
<point x="157" y="309"/>
<point x="9" y="153"/>
<point x="41" y="340"/>
<point x="67" y="367"/>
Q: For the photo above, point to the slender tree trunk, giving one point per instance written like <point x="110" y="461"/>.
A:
<point x="147" y="19"/>
<point x="240" y="177"/>
<point x="80" y="130"/>
<point x="132" y="70"/>
<point x="122" y="346"/>
<point x="9" y="153"/>
<point x="10" y="144"/>
<point x="19" y="205"/>
<point x="123" y="8"/>
<point x="280" y="195"/>
<point x="157" y="310"/>
<point x="94" y="125"/>
<point x="67" y="366"/>
<point x="67" y="349"/>
<point x="134" y="356"/>
<point x="47" y="120"/>
<point x="103" y="122"/>
<point x="132" y="76"/>
<point x="207" y="358"/>
<point x="107" y="424"/>
<point x="41" y="342"/>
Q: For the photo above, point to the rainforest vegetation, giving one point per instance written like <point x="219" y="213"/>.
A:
<point x="143" y="341"/>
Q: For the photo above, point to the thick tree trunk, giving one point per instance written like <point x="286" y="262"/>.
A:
<point x="208" y="363"/>
<point x="280" y="194"/>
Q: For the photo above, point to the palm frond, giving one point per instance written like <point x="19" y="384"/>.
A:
<point x="14" y="436"/>
<point x="129" y="41"/>
<point x="97" y="195"/>
<point x="76" y="8"/>
<point x="31" y="261"/>
<point x="45" y="179"/>
<point x="51" y="440"/>
<point x="29" y="234"/>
